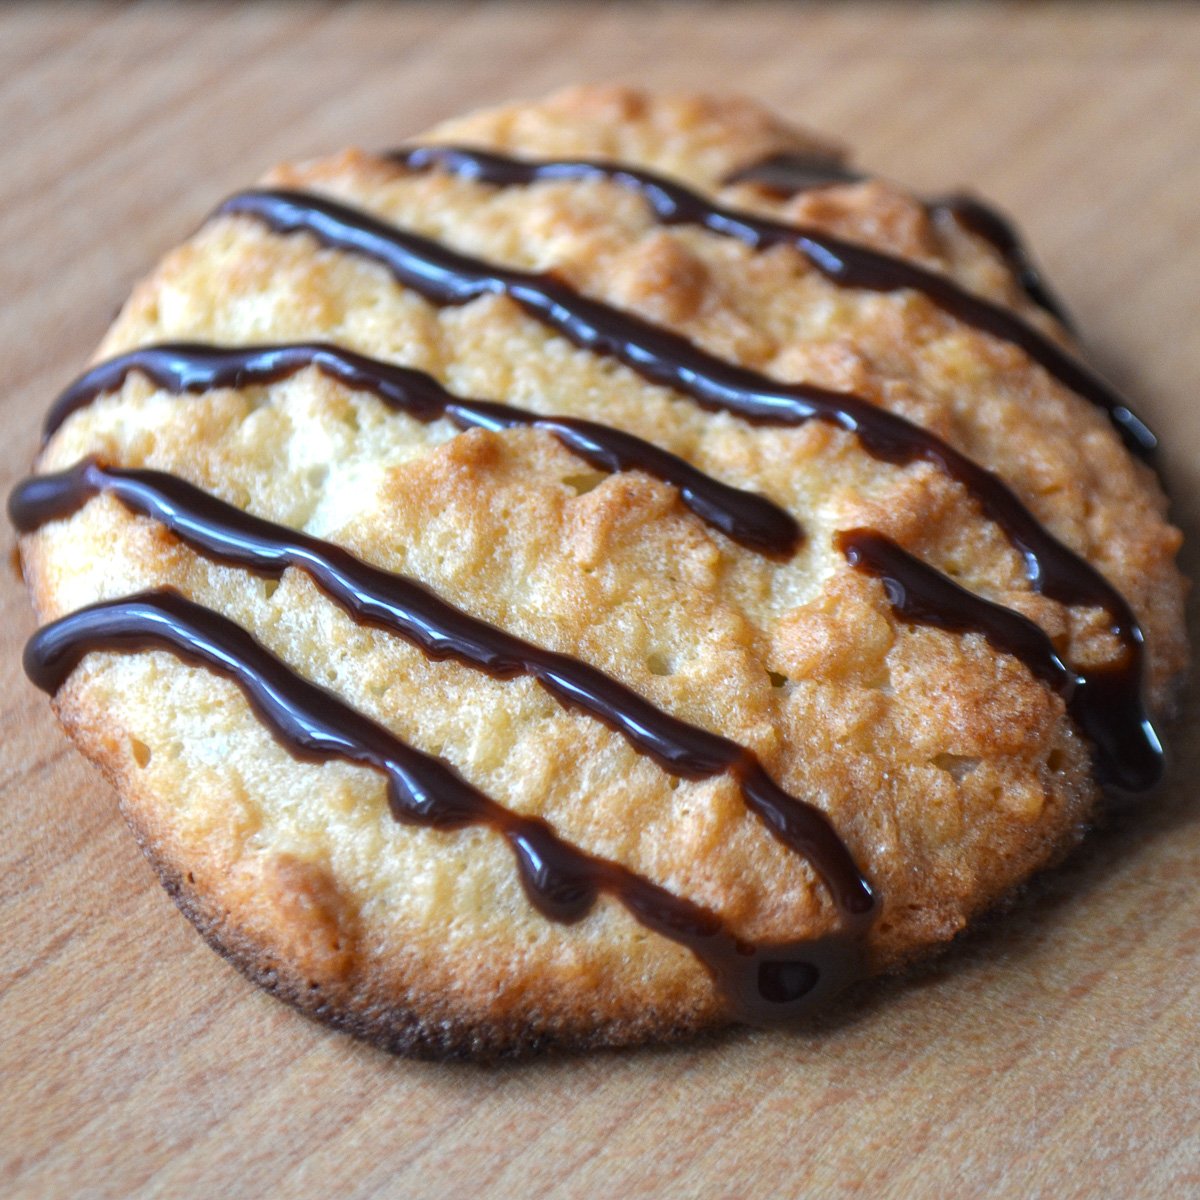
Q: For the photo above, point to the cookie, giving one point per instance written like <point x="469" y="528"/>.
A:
<point x="603" y="571"/>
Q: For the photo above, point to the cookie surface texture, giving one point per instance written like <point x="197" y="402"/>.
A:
<point x="947" y="765"/>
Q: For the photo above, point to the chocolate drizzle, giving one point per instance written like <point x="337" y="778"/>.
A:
<point x="1106" y="702"/>
<point x="377" y="597"/>
<point x="788" y="174"/>
<point x="746" y="517"/>
<point x="922" y="596"/>
<point x="768" y="984"/>
<point x="444" y="276"/>
<point x="847" y="264"/>
<point x="993" y="227"/>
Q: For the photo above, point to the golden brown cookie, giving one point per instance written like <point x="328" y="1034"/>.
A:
<point x="601" y="572"/>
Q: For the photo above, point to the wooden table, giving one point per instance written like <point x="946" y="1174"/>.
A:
<point x="1053" y="1054"/>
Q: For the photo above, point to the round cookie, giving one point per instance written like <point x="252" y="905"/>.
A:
<point x="881" y="671"/>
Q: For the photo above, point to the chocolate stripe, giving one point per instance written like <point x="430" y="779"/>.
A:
<point x="847" y="264"/>
<point x="444" y="276"/>
<point x="993" y="227"/>
<point x="767" y="984"/>
<point x="377" y="597"/>
<point x="744" y="516"/>
<point x="922" y="595"/>
<point x="1104" y="701"/>
<point x="788" y="174"/>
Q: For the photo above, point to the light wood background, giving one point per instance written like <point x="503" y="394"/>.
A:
<point x="1052" y="1054"/>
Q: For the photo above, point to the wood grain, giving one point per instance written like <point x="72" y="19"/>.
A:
<point x="1052" y="1054"/>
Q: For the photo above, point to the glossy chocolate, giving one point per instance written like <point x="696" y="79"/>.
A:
<point x="848" y="264"/>
<point x="788" y="174"/>
<point x="767" y="984"/>
<point x="1106" y="702"/>
<point x="746" y="517"/>
<point x="988" y="223"/>
<point x="376" y="597"/>
<point x="446" y="277"/>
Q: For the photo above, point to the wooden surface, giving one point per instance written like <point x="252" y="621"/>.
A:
<point x="1053" y="1054"/>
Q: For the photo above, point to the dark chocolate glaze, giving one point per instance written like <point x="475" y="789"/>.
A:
<point x="446" y="277"/>
<point x="1105" y="702"/>
<point x="922" y="595"/>
<point x="845" y="263"/>
<point x="766" y="984"/>
<point x="376" y="597"/>
<point x="988" y="223"/>
<point x="746" y="517"/>
<point x="787" y="174"/>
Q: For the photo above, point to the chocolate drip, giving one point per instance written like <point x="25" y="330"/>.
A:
<point x="744" y="516"/>
<point x="993" y="227"/>
<point x="1105" y="702"/>
<point x="767" y="984"/>
<point x="922" y="595"/>
<point x="847" y="264"/>
<point x="446" y="277"/>
<point x="376" y="597"/>
<point x="788" y="174"/>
